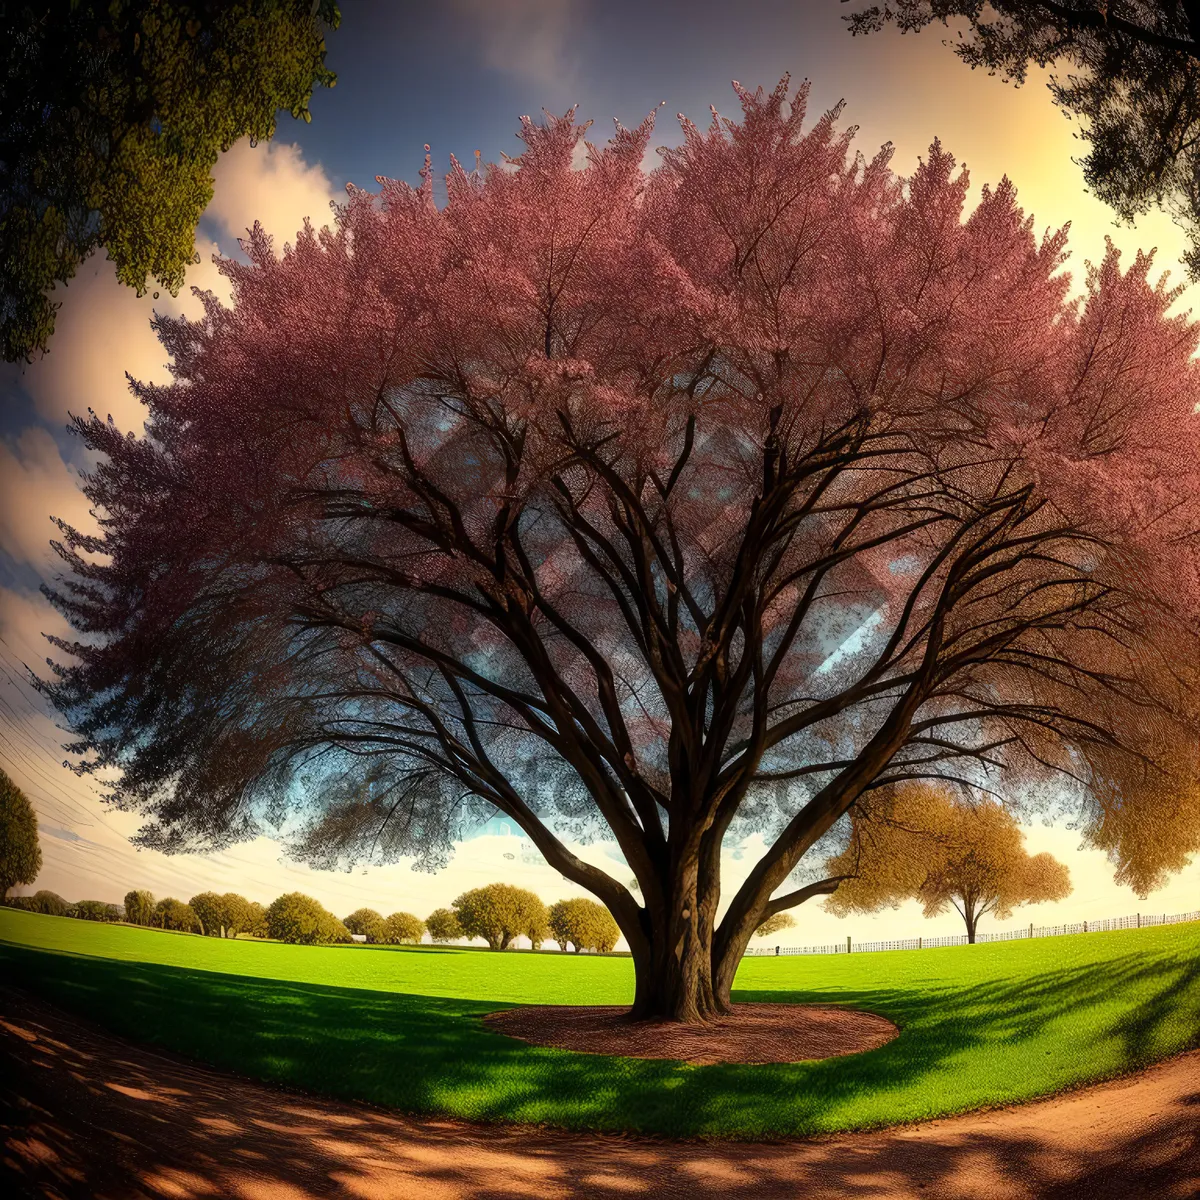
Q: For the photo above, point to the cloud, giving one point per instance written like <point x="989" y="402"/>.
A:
<point x="102" y="331"/>
<point x="272" y="184"/>
<point x="35" y="484"/>
<point x="103" y="328"/>
<point x="528" y="39"/>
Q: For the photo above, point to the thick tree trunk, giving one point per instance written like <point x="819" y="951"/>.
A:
<point x="674" y="983"/>
<point x="673" y="960"/>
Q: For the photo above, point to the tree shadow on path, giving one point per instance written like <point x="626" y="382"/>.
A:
<point x="89" y="1115"/>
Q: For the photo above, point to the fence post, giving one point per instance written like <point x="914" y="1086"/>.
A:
<point x="1139" y="919"/>
<point x="1085" y="927"/>
<point x="1031" y="929"/>
<point x="776" y="951"/>
<point x="847" y="943"/>
<point x="920" y="940"/>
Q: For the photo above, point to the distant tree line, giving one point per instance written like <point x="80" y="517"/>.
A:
<point x="497" y="913"/>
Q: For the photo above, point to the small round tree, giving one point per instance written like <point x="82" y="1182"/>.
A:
<point x="256" y="920"/>
<point x="603" y="932"/>
<point x="583" y="924"/>
<point x="139" y="907"/>
<point x="923" y="843"/>
<point x="443" y="925"/>
<point x="174" y="914"/>
<point x="299" y="919"/>
<point x="20" y="854"/>
<point x="237" y="913"/>
<point x="209" y="908"/>
<point x="403" y="927"/>
<point x="537" y="930"/>
<point x="366" y="922"/>
<point x="498" y="913"/>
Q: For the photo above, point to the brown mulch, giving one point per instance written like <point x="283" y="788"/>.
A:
<point x="85" y="1115"/>
<point x="759" y="1033"/>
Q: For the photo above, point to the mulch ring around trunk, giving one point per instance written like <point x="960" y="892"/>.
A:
<point x="755" y="1033"/>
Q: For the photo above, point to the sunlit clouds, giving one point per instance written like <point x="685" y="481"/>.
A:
<point x="35" y="485"/>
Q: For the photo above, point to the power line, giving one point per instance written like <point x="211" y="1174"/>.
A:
<point x="15" y="758"/>
<point x="56" y="803"/>
<point x="26" y="726"/>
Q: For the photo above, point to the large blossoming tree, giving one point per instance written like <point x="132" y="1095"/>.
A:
<point x="666" y="505"/>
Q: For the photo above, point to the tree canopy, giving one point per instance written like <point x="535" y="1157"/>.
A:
<point x="403" y="927"/>
<point x="238" y="913"/>
<point x="20" y="854"/>
<point x="366" y="922"/>
<point x="499" y="913"/>
<point x="224" y="915"/>
<point x="443" y="925"/>
<point x="112" y="116"/>
<point x="209" y="908"/>
<point x="97" y="910"/>
<point x="584" y="924"/>
<point x="174" y="914"/>
<point x="139" y="907"/>
<point x="920" y="842"/>
<point x="297" y="918"/>
<point x="659" y="507"/>
<point x="1134" y="80"/>
<point x="50" y="903"/>
<point x="256" y="919"/>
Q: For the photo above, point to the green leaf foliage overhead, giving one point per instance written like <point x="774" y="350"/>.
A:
<point x="112" y="116"/>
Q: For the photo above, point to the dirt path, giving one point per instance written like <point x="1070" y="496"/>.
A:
<point x="86" y="1114"/>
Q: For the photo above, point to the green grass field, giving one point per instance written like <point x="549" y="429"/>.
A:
<point x="980" y="1025"/>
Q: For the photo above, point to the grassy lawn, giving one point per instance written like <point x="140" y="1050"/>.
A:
<point x="980" y="1025"/>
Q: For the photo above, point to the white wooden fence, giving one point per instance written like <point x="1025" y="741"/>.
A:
<point x="1137" y="921"/>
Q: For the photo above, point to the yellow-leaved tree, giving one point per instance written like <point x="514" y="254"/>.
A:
<point x="923" y="842"/>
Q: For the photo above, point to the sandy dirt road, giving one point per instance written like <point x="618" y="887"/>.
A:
<point x="86" y="1114"/>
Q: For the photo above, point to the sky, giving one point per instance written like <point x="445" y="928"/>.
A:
<point x="458" y="75"/>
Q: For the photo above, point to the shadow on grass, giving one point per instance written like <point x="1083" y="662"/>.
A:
<point x="423" y="1054"/>
<point x="84" y="1115"/>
